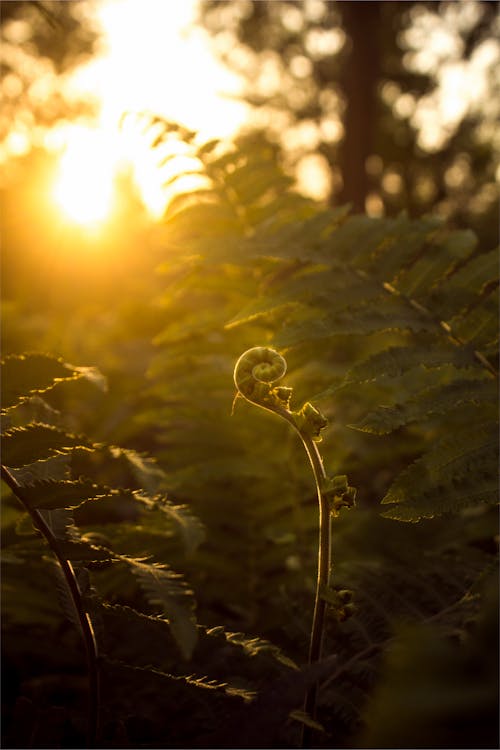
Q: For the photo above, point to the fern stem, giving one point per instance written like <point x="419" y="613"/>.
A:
<point x="87" y="630"/>
<point x="323" y="575"/>
<point x="255" y="373"/>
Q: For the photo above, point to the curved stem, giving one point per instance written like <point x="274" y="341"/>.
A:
<point x="324" y="565"/>
<point x="324" y="557"/>
<point x="86" y="628"/>
<point x="255" y="373"/>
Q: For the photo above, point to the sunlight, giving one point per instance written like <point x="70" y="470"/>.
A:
<point x="84" y="185"/>
<point x="148" y="62"/>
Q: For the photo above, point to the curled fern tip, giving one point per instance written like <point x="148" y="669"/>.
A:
<point x="255" y="373"/>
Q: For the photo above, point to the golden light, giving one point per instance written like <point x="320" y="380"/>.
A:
<point x="84" y="184"/>
<point x="172" y="73"/>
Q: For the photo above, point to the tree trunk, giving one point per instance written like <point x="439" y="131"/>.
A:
<point x="359" y="82"/>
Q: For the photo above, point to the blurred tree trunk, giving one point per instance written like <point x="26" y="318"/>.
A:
<point x="361" y="21"/>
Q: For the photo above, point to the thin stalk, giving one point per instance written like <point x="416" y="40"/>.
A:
<point x="324" y="567"/>
<point x="86" y="628"/>
<point x="324" y="558"/>
<point x="255" y="374"/>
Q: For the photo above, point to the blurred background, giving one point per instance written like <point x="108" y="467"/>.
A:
<point x="387" y="107"/>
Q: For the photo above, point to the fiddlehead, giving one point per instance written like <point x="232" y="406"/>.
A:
<point x="255" y="375"/>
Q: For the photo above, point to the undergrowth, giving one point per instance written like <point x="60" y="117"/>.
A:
<point x="203" y="526"/>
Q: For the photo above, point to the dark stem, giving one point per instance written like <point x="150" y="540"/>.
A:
<point x="86" y="628"/>
<point x="324" y="549"/>
<point x="324" y="557"/>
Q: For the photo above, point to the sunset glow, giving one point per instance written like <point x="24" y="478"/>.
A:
<point x="171" y="73"/>
<point x="84" y="183"/>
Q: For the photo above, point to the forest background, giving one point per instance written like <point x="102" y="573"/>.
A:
<point x="352" y="224"/>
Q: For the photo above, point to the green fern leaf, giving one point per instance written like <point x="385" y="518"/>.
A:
<point x="403" y="245"/>
<point x="135" y="637"/>
<point x="55" y="468"/>
<point x="194" y="220"/>
<point x="252" y="180"/>
<point x="439" y="260"/>
<point x="335" y="289"/>
<point x="459" y="291"/>
<point x="362" y="240"/>
<point x="63" y="596"/>
<point x="480" y="324"/>
<point x="396" y="360"/>
<point x="167" y="590"/>
<point x="25" y="375"/>
<point x="432" y="401"/>
<point x="24" y="445"/>
<point x="49" y="495"/>
<point x="61" y="523"/>
<point x="383" y="314"/>
<point x="460" y="471"/>
<point x="185" y="200"/>
<point x="145" y="469"/>
<point x="189" y="526"/>
<point x="81" y="551"/>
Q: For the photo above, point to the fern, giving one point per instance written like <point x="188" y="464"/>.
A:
<point x="460" y="471"/>
<point x="75" y="490"/>
<point x="393" y="323"/>
<point x="164" y="589"/>
<point x="23" y="445"/>
<point x="26" y="375"/>
<point x="391" y="595"/>
<point x="334" y="276"/>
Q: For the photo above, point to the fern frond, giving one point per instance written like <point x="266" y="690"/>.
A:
<point x="479" y="325"/>
<point x="396" y="360"/>
<point x="338" y="291"/>
<point x="81" y="551"/>
<point x="258" y="647"/>
<point x="24" y="375"/>
<point x="56" y="468"/>
<point x="23" y="445"/>
<point x="135" y="637"/>
<point x="439" y="399"/>
<point x="188" y="525"/>
<point x="168" y="591"/>
<point x="439" y="260"/>
<point x="461" y="470"/>
<point x="62" y="524"/>
<point x="390" y="593"/>
<point x="64" y="598"/>
<point x="192" y="221"/>
<point x="50" y="494"/>
<point x="379" y="315"/>
<point x="460" y="290"/>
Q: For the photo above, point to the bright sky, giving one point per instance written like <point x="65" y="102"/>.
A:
<point x="151" y="61"/>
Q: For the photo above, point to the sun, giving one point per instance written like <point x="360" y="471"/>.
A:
<point x="172" y="74"/>
<point x="84" y="186"/>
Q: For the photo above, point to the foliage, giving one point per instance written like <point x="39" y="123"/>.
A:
<point x="389" y="328"/>
<point x="42" y="39"/>
<point x="357" y="86"/>
<point x="391" y="322"/>
<point x="59" y="479"/>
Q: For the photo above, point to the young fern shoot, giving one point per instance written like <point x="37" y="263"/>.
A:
<point x="255" y="375"/>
